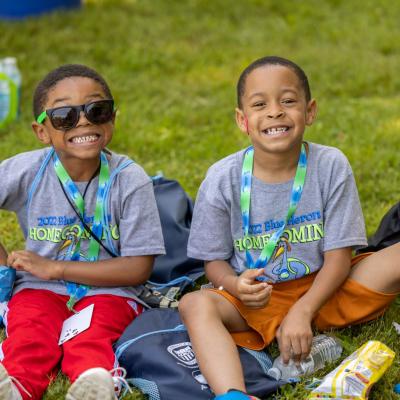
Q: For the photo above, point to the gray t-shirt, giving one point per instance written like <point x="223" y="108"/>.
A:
<point x="50" y="224"/>
<point x="328" y="216"/>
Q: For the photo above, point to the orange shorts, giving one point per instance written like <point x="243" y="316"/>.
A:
<point x="351" y="304"/>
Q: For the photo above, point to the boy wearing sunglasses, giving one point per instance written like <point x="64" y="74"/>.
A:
<point x="92" y="231"/>
<point x="276" y="224"/>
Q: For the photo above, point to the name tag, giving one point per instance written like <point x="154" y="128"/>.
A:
<point x="76" y="324"/>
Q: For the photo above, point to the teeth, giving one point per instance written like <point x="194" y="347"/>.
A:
<point x="275" y="131"/>
<point x="84" y="139"/>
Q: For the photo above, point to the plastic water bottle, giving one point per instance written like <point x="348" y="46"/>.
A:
<point x="324" y="349"/>
<point x="10" y="68"/>
<point x="5" y="93"/>
<point x="4" y="100"/>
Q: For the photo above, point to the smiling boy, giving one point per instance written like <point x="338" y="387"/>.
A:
<point x="276" y="224"/>
<point x="92" y="231"/>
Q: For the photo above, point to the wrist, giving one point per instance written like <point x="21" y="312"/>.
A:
<point x="229" y="283"/>
<point x="60" y="270"/>
<point x="304" y="310"/>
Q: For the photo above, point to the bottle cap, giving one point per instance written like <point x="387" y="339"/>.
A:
<point x="397" y="388"/>
<point x="10" y="60"/>
<point x="275" y="373"/>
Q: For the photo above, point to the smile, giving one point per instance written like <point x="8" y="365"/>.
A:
<point x="275" y="131"/>
<point x="84" y="139"/>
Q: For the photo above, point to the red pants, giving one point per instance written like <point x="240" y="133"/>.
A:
<point x="31" y="353"/>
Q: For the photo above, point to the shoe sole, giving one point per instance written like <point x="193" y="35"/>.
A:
<point x="97" y="386"/>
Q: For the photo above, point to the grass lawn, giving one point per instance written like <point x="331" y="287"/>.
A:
<point x="173" y="66"/>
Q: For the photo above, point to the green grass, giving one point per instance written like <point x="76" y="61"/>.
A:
<point x="173" y="66"/>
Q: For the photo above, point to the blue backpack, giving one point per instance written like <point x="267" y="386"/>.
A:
<point x="157" y="354"/>
<point x="174" y="271"/>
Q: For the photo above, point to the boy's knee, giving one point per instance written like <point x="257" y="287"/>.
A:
<point x="194" y="304"/>
<point x="187" y="303"/>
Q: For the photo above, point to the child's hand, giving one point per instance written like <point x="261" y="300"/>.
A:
<point x="295" y="336"/>
<point x="38" y="266"/>
<point x="252" y="293"/>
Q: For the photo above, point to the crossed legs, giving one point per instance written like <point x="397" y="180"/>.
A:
<point x="210" y="318"/>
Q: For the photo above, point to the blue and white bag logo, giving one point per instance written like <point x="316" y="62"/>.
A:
<point x="198" y="376"/>
<point x="184" y="353"/>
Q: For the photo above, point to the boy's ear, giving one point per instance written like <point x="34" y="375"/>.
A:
<point x="311" y="112"/>
<point x="241" y="120"/>
<point x="41" y="133"/>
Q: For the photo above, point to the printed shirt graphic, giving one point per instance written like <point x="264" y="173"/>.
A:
<point x="51" y="227"/>
<point x="328" y="216"/>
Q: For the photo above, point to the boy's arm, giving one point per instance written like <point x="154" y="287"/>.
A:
<point x="250" y="292"/>
<point x="295" y="334"/>
<point x="343" y="229"/>
<point x="3" y="255"/>
<point x="119" y="271"/>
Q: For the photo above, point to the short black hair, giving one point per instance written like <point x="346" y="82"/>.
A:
<point x="57" y="75"/>
<point x="272" y="60"/>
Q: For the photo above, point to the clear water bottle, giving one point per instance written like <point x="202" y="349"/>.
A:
<point x="324" y="349"/>
<point x="10" y="68"/>
<point x="4" y="99"/>
<point x="5" y="96"/>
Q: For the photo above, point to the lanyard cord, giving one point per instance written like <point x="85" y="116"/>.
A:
<point x="78" y="291"/>
<point x="245" y="193"/>
<point x="85" y="225"/>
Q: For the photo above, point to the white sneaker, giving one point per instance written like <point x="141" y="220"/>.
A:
<point x="8" y="391"/>
<point x="93" y="384"/>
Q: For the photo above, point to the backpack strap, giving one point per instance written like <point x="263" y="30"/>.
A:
<point x="37" y="179"/>
<point x="176" y="281"/>
<point x="106" y="209"/>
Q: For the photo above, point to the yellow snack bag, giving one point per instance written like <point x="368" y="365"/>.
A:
<point x="354" y="377"/>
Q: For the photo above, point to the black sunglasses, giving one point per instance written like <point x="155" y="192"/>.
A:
<point x="67" y="117"/>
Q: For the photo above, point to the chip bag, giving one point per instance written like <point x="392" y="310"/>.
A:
<point x="354" y="377"/>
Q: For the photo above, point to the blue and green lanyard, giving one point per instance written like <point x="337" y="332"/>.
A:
<point x="245" y="194"/>
<point x="77" y="291"/>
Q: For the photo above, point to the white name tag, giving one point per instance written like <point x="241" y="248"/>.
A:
<point x="76" y="324"/>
